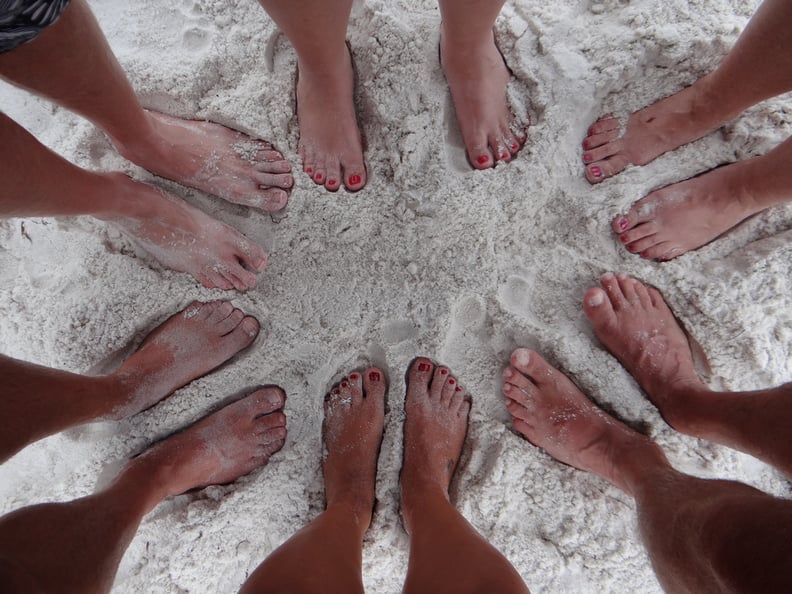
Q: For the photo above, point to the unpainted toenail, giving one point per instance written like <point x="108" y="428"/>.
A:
<point x="423" y="367"/>
<point x="250" y="327"/>
<point x="522" y="357"/>
<point x="374" y="376"/>
<point x="507" y="373"/>
<point x="597" y="299"/>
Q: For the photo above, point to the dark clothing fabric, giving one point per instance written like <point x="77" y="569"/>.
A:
<point x="22" y="20"/>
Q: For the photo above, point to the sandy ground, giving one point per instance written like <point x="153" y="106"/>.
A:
<point x="431" y="258"/>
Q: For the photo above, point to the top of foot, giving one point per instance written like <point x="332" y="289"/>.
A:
<point x="435" y="426"/>
<point x="354" y="413"/>
<point x="215" y="160"/>
<point x="186" y="346"/>
<point x="636" y="325"/>
<point x="477" y="77"/>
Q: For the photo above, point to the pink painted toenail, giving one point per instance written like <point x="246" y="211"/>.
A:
<point x="443" y="371"/>
<point x="622" y="223"/>
<point x="596" y="171"/>
<point x="423" y="367"/>
<point x="353" y="376"/>
<point x="515" y="146"/>
<point x="374" y="376"/>
<point x="623" y="238"/>
<point x="504" y="155"/>
<point x="482" y="159"/>
<point x="586" y="157"/>
<point x="345" y="384"/>
<point x="586" y="144"/>
<point x="354" y="179"/>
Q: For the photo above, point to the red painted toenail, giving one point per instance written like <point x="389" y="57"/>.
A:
<point x="632" y="248"/>
<point x="504" y="155"/>
<point x="596" y="171"/>
<point x="644" y="254"/>
<point x="515" y="146"/>
<point x="586" y="157"/>
<point x="451" y="381"/>
<point x="353" y="376"/>
<point x="354" y="179"/>
<point x="423" y="367"/>
<point x="308" y="170"/>
<point x="331" y="182"/>
<point x="318" y="177"/>
<point x="482" y="159"/>
<point x="443" y="371"/>
<point x="457" y="389"/>
<point x="586" y="144"/>
<point x="336" y="391"/>
<point x="345" y="384"/>
<point x="623" y="238"/>
<point x="374" y="376"/>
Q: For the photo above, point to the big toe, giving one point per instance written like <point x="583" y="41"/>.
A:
<point x="598" y="308"/>
<point x="418" y="377"/>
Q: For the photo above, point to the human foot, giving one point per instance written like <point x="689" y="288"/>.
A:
<point x="213" y="159"/>
<point x="661" y="127"/>
<point x="330" y="144"/>
<point x="687" y="215"/>
<point x="551" y="413"/>
<point x="477" y="77"/>
<point x="182" y="237"/>
<point x="637" y="327"/>
<point x="188" y="345"/>
<point x="219" y="448"/>
<point x="353" y="420"/>
<point x="434" y="431"/>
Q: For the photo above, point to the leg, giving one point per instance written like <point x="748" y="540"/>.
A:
<point x="72" y="64"/>
<point x="330" y="146"/>
<point x="326" y="555"/>
<point x="76" y="546"/>
<point x="446" y="553"/>
<point x="477" y="77"/>
<point x="757" y="68"/>
<point x="36" y="401"/>
<point x="703" y="536"/>
<point x="636" y="325"/>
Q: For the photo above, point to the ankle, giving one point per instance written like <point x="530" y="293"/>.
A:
<point x="461" y="46"/>
<point x="684" y="406"/>
<point x="637" y="462"/>
<point x="420" y="496"/>
<point x="358" y="510"/>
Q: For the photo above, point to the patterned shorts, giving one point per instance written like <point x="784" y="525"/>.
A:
<point x="23" y="20"/>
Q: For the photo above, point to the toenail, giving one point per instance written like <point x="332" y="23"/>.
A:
<point x="331" y="182"/>
<point x="585" y="144"/>
<point x="345" y="384"/>
<point x="443" y="371"/>
<point x="309" y="170"/>
<point x="457" y="389"/>
<point x="336" y="392"/>
<point x="482" y="159"/>
<point x="250" y="327"/>
<point x="451" y="381"/>
<point x="515" y="146"/>
<point x="504" y="155"/>
<point x="586" y="157"/>
<point x="354" y="179"/>
<point x="623" y="238"/>
<point x="374" y="376"/>
<point x="597" y="299"/>
<point x="423" y="367"/>
<point x="644" y="254"/>
<point x="596" y="171"/>
<point x="632" y="248"/>
<point x="522" y="357"/>
<point x="318" y="177"/>
<point x="507" y="373"/>
<point x="622" y="223"/>
<point x="353" y="376"/>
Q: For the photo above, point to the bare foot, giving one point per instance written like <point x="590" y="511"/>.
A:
<point x="353" y="419"/>
<point x="213" y="159"/>
<point x="636" y="325"/>
<point x="685" y="216"/>
<point x="183" y="238"/>
<point x="188" y="345"/>
<point x="663" y="126"/>
<point x="434" y="431"/>
<point x="330" y="144"/>
<point x="551" y="413"/>
<point x="477" y="76"/>
<point x="221" y="447"/>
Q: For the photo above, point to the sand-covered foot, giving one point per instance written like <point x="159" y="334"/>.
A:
<point x="184" y="238"/>
<point x="221" y="447"/>
<point x="684" y="216"/>
<point x="551" y="413"/>
<point x="330" y="144"/>
<point x="661" y="127"/>
<point x="188" y="345"/>
<point x="637" y="327"/>
<point x="435" y="426"/>
<point x="213" y="159"/>
<point x="477" y="77"/>
<point x="353" y="420"/>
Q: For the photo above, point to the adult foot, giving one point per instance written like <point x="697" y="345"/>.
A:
<point x="213" y="159"/>
<point x="685" y="216"/>
<point x="477" y="76"/>
<point x="186" y="346"/>
<point x="551" y="413"/>
<point x="663" y="126"/>
<point x="637" y="327"/>
<point x="330" y="144"/>
<point x="353" y="420"/>
<point x="221" y="447"/>
<point x="434" y="431"/>
<point x="182" y="237"/>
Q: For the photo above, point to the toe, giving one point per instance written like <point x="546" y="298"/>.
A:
<point x="271" y="167"/>
<point x="610" y="283"/>
<point x="348" y="394"/>
<point x="634" y="233"/>
<point x="356" y="387"/>
<point x="333" y="176"/>
<point x="627" y="285"/>
<point x="597" y="140"/>
<point x="230" y="322"/>
<point x="439" y="379"/>
<point x="214" y="280"/>
<point x="220" y="311"/>
<point x="273" y="199"/>
<point x="518" y="411"/>
<point x="663" y="251"/>
<point x="481" y="157"/>
<point x="606" y="123"/>
<point x="268" y="399"/>
<point x="418" y="376"/>
<point x="374" y="386"/>
<point x="643" y="294"/>
<point x="274" y="180"/>
<point x="449" y="389"/>
<point x="593" y="155"/>
<point x="642" y="245"/>
<point x="602" y="170"/>
<point x="464" y="408"/>
<point x="243" y="334"/>
<point x="354" y="176"/>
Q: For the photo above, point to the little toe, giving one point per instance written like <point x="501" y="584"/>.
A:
<point x="642" y="245"/>
<point x="598" y="308"/>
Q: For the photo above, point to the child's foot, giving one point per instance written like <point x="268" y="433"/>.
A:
<point x="477" y="77"/>
<point x="354" y="411"/>
<point x="183" y="238"/>
<point x="185" y="347"/>
<point x="550" y="412"/>
<point x="434" y="431"/>
<point x="214" y="159"/>
<point x="221" y="447"/>
<point x="330" y="145"/>
<point x="663" y="126"/>
<point x="636" y="325"/>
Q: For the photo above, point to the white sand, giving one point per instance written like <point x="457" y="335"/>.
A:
<point x="432" y="258"/>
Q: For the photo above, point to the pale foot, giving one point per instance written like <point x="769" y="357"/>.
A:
<point x="684" y="216"/>
<point x="330" y="144"/>
<point x="637" y="327"/>
<point x="221" y="447"/>
<point x="663" y="126"/>
<point x="353" y="420"/>
<point x="434" y="430"/>
<point x="551" y="413"/>
<point x="188" y="345"/>
<point x="213" y="159"/>
<point x="477" y="77"/>
<point x="183" y="238"/>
